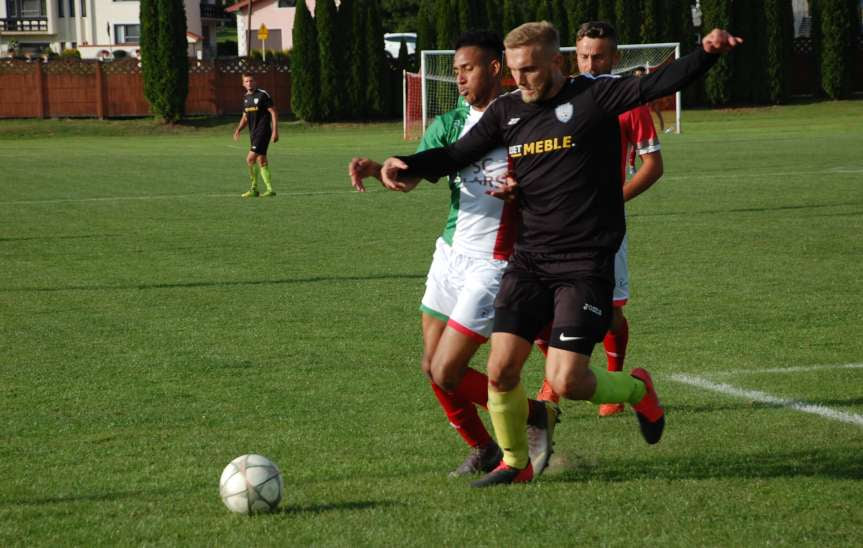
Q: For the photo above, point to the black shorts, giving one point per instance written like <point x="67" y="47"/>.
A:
<point x="260" y="142"/>
<point x="571" y="292"/>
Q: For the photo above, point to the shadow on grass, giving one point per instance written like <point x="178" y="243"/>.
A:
<point x="49" y="238"/>
<point x="191" y="285"/>
<point x="84" y="497"/>
<point x="821" y="463"/>
<point x="334" y="507"/>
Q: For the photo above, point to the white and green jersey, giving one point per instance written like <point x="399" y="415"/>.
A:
<point x="478" y="225"/>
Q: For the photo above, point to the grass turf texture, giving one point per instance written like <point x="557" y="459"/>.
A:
<point x="155" y="326"/>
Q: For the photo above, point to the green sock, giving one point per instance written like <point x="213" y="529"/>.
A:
<point x="616" y="387"/>
<point x="508" y="411"/>
<point x="265" y="175"/>
<point x="253" y="178"/>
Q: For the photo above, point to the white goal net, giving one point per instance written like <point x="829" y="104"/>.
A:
<point x="433" y="90"/>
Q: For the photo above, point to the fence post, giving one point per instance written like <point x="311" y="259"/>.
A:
<point x="40" y="91"/>
<point x="100" y="92"/>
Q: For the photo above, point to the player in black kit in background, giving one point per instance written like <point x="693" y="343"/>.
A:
<point x="263" y="121"/>
<point x="562" y="135"/>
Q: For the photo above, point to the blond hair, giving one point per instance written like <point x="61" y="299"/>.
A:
<point x="537" y="32"/>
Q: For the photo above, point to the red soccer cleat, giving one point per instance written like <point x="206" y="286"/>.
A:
<point x="651" y="416"/>
<point x="609" y="409"/>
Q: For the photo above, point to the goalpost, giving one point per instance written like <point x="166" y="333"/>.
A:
<point x="433" y="90"/>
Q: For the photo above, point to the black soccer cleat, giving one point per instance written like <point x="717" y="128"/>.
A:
<point x="480" y="459"/>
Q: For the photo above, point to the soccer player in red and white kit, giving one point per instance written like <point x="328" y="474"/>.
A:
<point x="597" y="53"/>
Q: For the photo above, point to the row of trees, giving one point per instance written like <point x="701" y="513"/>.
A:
<point x="339" y="66"/>
<point x="340" y="69"/>
<point x="439" y="22"/>
<point x="760" y="71"/>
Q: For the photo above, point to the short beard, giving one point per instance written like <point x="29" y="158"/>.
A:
<point x="537" y="96"/>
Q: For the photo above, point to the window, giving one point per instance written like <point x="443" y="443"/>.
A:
<point x="287" y="3"/>
<point x="60" y="8"/>
<point x="127" y="34"/>
<point x="83" y="8"/>
<point x="26" y="8"/>
<point x="71" y="8"/>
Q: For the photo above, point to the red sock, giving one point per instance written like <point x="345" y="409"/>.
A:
<point x="615" y="346"/>
<point x="547" y="393"/>
<point x="473" y="388"/>
<point x="463" y="417"/>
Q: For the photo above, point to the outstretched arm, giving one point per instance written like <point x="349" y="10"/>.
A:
<point x="434" y="163"/>
<point x="678" y="75"/>
<point x="616" y="95"/>
<point x="361" y="168"/>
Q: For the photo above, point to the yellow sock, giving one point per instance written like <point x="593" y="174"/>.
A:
<point x="508" y="412"/>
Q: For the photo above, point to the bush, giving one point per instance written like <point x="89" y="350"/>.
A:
<point x="227" y="48"/>
<point x="120" y="54"/>
<point x="164" y="61"/>
<point x="70" y="53"/>
<point x="838" y="26"/>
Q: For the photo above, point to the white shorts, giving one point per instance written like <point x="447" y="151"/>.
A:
<point x="621" y="274"/>
<point x="460" y="290"/>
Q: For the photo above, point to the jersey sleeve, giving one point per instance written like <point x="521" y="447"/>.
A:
<point x="616" y="95"/>
<point x="434" y="136"/>
<point x="434" y="163"/>
<point x="642" y="132"/>
<point x="265" y="102"/>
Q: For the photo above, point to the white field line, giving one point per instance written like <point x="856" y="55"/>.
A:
<point x="177" y="196"/>
<point x="755" y="395"/>
<point x="785" y="369"/>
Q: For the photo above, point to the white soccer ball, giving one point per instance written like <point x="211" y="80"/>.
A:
<point x="251" y="484"/>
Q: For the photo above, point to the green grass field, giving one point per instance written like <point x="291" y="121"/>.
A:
<point x="154" y="326"/>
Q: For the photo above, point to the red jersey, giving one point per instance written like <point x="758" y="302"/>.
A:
<point x="637" y="136"/>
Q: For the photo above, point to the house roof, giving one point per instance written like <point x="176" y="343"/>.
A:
<point x="239" y="5"/>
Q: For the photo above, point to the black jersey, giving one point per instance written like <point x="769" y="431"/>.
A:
<point x="565" y="154"/>
<point x="256" y="105"/>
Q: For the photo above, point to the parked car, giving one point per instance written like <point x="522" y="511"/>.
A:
<point x="393" y="41"/>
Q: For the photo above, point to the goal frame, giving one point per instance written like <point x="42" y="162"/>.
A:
<point x="425" y="54"/>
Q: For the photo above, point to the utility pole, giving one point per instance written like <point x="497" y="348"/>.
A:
<point x="249" y="31"/>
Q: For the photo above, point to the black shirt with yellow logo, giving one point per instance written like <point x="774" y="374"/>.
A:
<point x="256" y="105"/>
<point x="565" y="155"/>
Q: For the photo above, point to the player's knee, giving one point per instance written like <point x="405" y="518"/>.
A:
<point x="617" y="320"/>
<point x="504" y="375"/>
<point x="569" y="384"/>
<point x="447" y="375"/>
<point x="426" y="366"/>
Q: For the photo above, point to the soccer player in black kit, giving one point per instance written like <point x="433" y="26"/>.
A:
<point x="563" y="138"/>
<point x="263" y="121"/>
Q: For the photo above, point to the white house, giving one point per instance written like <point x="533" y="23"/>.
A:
<point x="277" y="15"/>
<point x="96" y="28"/>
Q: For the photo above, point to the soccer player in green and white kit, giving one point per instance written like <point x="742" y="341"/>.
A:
<point x="458" y="305"/>
<point x="263" y="121"/>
